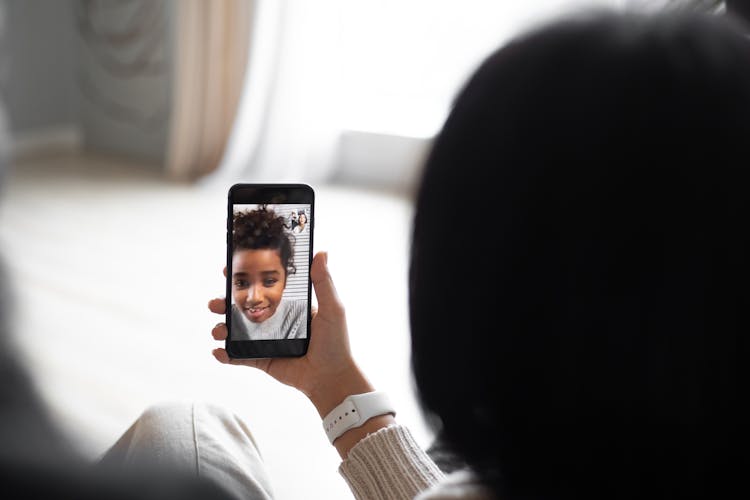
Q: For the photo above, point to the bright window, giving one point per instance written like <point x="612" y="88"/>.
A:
<point x="402" y="61"/>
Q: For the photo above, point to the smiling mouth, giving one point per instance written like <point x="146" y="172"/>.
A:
<point x="255" y="314"/>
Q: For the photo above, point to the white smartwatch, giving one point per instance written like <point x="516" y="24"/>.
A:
<point x="354" y="411"/>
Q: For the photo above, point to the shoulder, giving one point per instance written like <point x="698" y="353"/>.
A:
<point x="294" y="314"/>
<point x="293" y="307"/>
<point x="298" y="306"/>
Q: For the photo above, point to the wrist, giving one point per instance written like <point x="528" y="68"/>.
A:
<point x="329" y="393"/>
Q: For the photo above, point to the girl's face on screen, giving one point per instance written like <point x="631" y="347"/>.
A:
<point x="258" y="281"/>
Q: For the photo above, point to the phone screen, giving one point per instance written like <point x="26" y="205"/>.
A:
<point x="269" y="252"/>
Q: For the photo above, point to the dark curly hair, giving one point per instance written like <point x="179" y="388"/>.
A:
<point x="263" y="229"/>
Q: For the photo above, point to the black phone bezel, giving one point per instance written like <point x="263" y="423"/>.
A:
<point x="267" y="193"/>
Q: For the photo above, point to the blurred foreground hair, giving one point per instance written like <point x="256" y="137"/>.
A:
<point x="589" y="341"/>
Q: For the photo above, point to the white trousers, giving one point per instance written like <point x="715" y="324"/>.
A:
<point x="199" y="439"/>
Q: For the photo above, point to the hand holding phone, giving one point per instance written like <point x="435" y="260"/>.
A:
<point x="263" y="222"/>
<point x="327" y="373"/>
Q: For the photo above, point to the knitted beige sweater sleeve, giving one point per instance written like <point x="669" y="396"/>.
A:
<point x="389" y="465"/>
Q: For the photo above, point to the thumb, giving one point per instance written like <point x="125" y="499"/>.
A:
<point x="325" y="291"/>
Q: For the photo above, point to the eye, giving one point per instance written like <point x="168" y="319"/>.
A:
<point x="269" y="282"/>
<point x="240" y="283"/>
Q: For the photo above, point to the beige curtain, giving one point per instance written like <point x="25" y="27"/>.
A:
<point x="211" y="50"/>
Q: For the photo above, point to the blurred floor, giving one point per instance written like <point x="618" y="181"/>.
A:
<point x="112" y="268"/>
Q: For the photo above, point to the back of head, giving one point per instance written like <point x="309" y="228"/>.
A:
<point x="586" y="339"/>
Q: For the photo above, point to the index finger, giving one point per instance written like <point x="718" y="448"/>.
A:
<point x="218" y="306"/>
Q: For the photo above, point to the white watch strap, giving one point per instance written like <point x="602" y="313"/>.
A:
<point x="355" y="411"/>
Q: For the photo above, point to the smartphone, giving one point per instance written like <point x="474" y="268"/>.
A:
<point x="269" y="253"/>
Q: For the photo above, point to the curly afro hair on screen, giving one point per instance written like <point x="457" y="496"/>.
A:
<point x="262" y="229"/>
